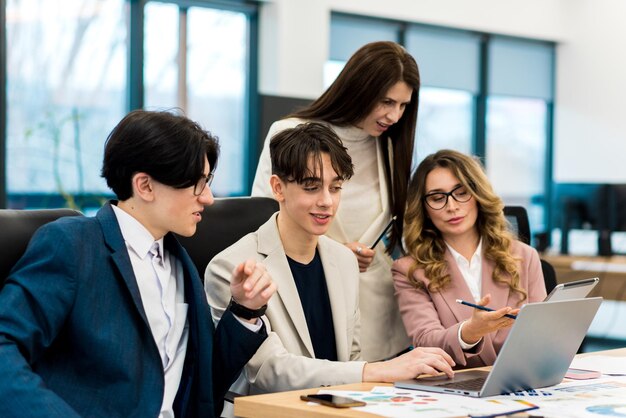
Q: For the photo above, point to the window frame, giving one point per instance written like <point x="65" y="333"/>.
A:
<point x="134" y="78"/>
<point x="479" y="128"/>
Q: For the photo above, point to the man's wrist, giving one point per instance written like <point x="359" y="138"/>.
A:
<point x="245" y="312"/>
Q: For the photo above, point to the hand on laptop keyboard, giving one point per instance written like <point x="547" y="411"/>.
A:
<point x="423" y="360"/>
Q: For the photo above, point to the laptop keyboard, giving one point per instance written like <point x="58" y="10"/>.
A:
<point x="470" y="384"/>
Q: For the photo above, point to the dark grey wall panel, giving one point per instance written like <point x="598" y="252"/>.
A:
<point x="274" y="108"/>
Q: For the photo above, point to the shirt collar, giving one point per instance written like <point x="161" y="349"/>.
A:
<point x="137" y="237"/>
<point x="476" y="257"/>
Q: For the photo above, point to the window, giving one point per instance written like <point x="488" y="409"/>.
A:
<point x="66" y="80"/>
<point x="520" y="94"/>
<point x="444" y="120"/>
<point x="481" y="94"/>
<point x="448" y="62"/>
<point x="67" y="87"/>
<point x="348" y="34"/>
<point x="516" y="150"/>
<point x="196" y="60"/>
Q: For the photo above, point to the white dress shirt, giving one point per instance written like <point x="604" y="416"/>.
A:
<point x="471" y="270"/>
<point x="159" y="277"/>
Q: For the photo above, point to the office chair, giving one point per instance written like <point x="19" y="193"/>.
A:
<point x="518" y="219"/>
<point x="223" y="224"/>
<point x="520" y="226"/>
<point x="17" y="227"/>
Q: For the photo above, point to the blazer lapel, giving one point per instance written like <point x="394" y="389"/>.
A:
<point x="270" y="245"/>
<point x="119" y="254"/>
<point x="337" y="300"/>
<point x="499" y="297"/>
<point x="195" y="367"/>
<point x="499" y="292"/>
<point x="193" y="288"/>
<point x="458" y="290"/>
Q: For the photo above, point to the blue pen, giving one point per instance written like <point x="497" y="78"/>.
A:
<point x="532" y="408"/>
<point x="482" y="308"/>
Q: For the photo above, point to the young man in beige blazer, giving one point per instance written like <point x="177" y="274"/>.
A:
<point x="314" y="321"/>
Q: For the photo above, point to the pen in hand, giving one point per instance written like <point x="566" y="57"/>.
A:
<point x="482" y="308"/>
<point x="382" y="234"/>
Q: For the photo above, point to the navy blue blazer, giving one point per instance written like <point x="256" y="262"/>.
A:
<point x="75" y="340"/>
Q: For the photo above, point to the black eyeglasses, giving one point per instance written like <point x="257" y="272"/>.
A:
<point x="439" y="200"/>
<point x="202" y="183"/>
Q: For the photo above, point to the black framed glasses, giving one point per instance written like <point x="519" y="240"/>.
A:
<point x="202" y="183"/>
<point x="439" y="200"/>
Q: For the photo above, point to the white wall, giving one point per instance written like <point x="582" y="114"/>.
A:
<point x="294" y="34"/>
<point x="590" y="117"/>
<point x="293" y="47"/>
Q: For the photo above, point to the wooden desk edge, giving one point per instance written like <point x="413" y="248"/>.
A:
<point x="281" y="404"/>
<point x="289" y="405"/>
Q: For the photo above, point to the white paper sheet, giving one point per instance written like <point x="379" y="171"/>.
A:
<point x="389" y="401"/>
<point x="598" y="398"/>
<point x="604" y="364"/>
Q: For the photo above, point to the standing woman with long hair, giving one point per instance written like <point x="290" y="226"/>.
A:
<point x="372" y="106"/>
<point x="459" y="247"/>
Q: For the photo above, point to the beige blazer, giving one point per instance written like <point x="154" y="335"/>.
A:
<point x="382" y="332"/>
<point x="433" y="319"/>
<point x="286" y="360"/>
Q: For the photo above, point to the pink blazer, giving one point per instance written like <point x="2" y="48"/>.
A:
<point x="433" y="319"/>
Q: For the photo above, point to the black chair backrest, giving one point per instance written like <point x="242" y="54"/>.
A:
<point x="16" y="229"/>
<point x="223" y="224"/>
<point x="520" y="226"/>
<point x="518" y="218"/>
<point x="549" y="275"/>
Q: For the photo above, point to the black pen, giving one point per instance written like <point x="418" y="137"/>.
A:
<point x="382" y="234"/>
<point x="482" y="308"/>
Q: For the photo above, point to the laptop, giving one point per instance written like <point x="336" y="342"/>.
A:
<point x="537" y="353"/>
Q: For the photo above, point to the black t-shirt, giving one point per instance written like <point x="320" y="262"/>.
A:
<point x="311" y="283"/>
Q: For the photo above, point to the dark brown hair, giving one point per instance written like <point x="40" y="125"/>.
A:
<point x="359" y="88"/>
<point x="291" y="149"/>
<point x="170" y="148"/>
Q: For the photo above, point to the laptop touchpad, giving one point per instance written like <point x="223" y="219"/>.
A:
<point x="458" y="377"/>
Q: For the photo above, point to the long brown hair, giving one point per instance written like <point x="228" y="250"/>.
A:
<point x="424" y="242"/>
<point x="362" y="84"/>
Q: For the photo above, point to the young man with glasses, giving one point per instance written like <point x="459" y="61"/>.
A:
<point x="106" y="316"/>
<point x="315" y="319"/>
<point x="458" y="247"/>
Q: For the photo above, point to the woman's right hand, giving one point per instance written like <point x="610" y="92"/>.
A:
<point x="482" y="323"/>
<point x="363" y="253"/>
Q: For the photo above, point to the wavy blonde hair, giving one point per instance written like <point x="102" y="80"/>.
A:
<point x="423" y="241"/>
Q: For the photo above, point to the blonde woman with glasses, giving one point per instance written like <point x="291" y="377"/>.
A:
<point x="458" y="248"/>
